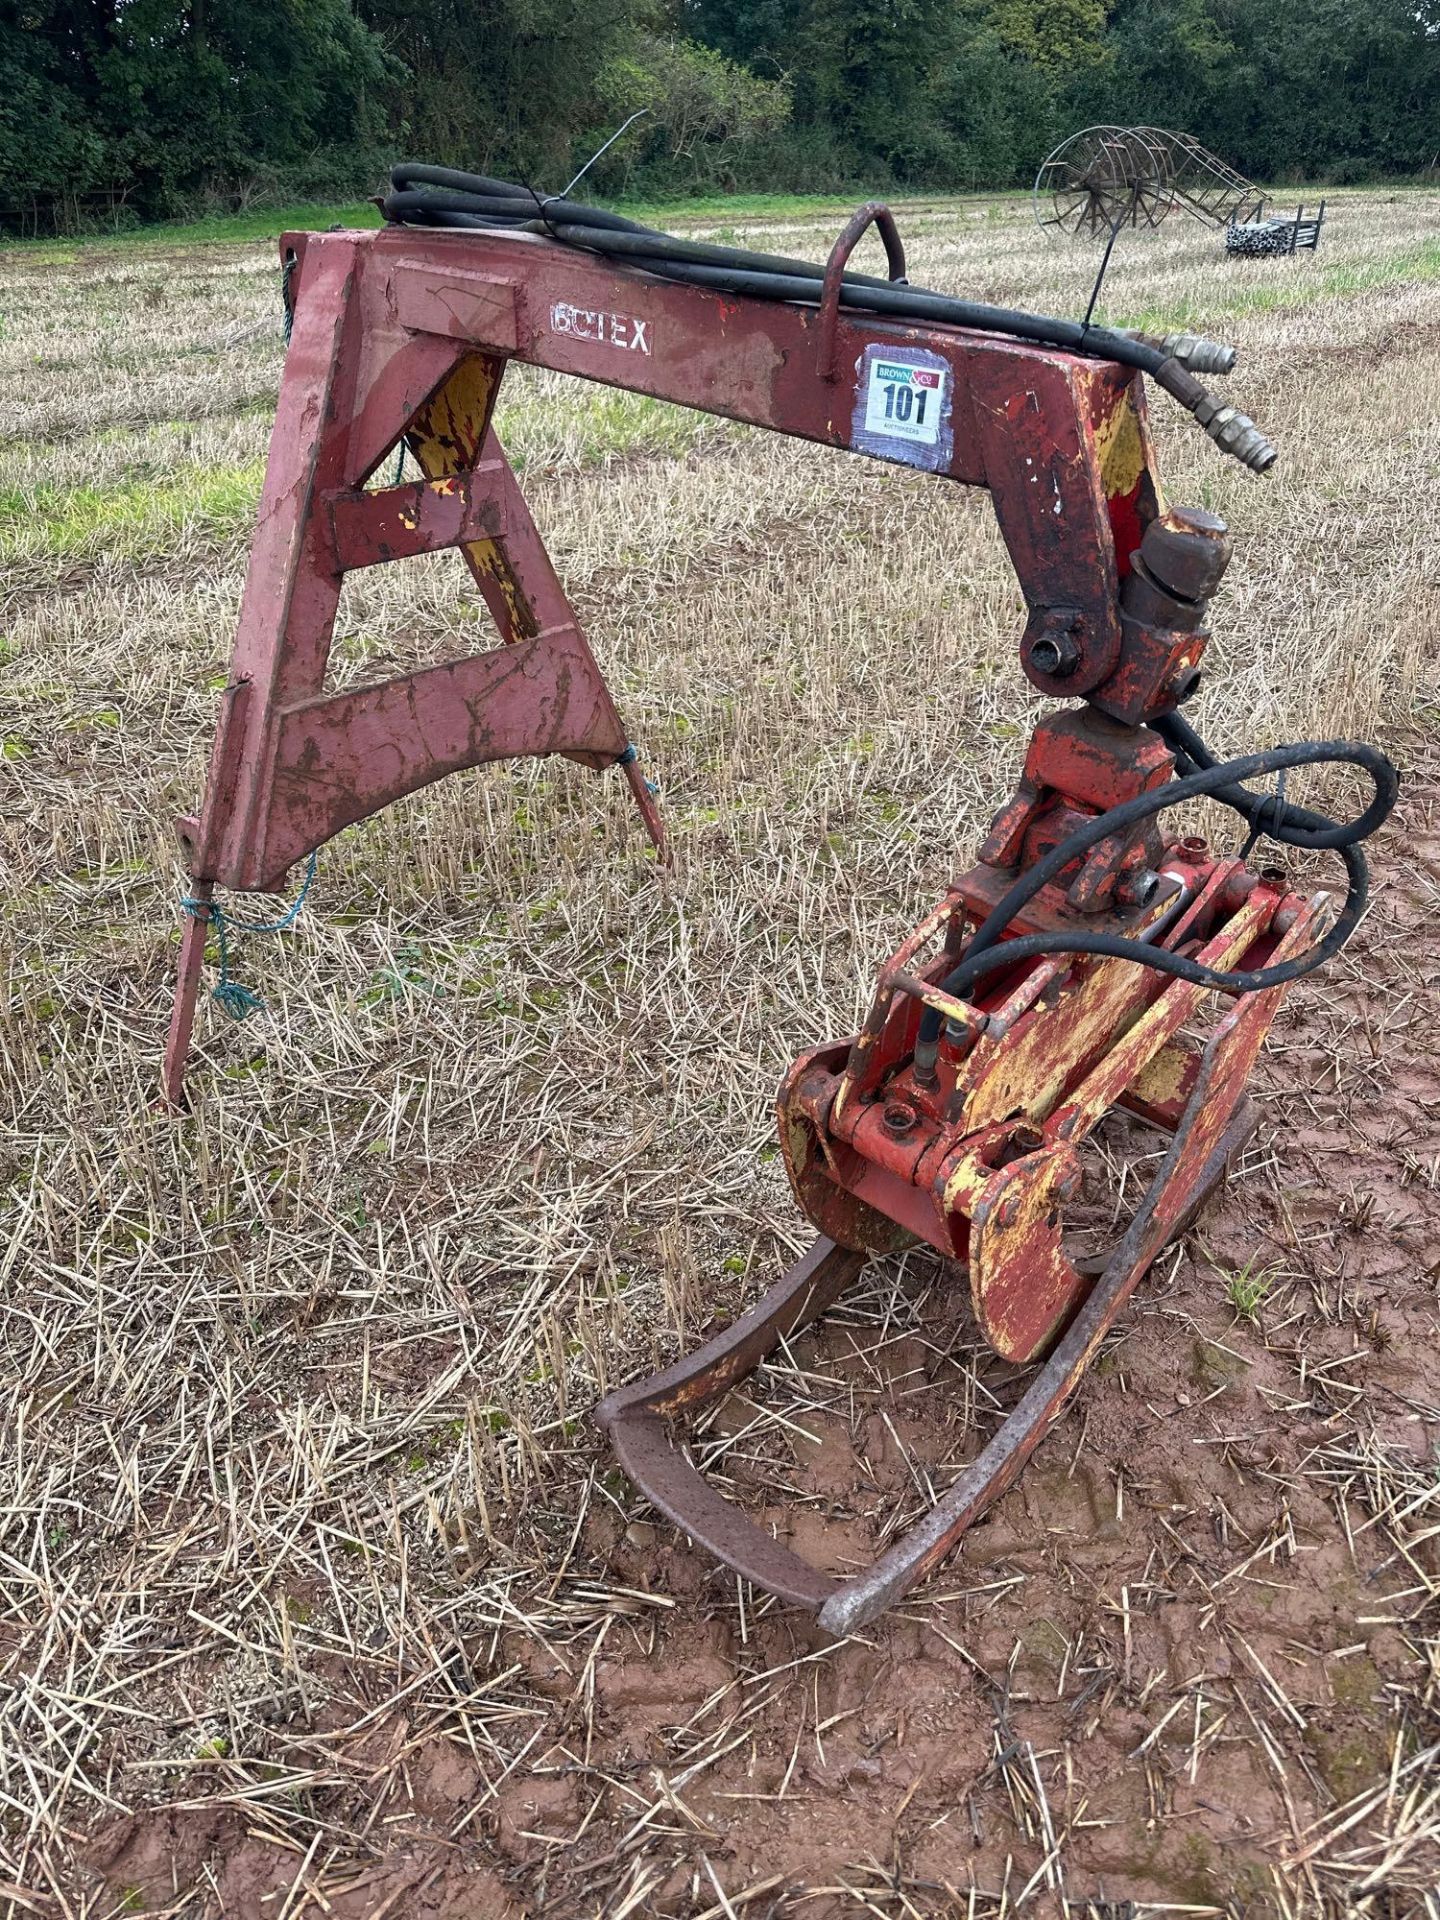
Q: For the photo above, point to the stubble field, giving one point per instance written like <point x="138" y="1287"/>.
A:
<point x="318" y="1594"/>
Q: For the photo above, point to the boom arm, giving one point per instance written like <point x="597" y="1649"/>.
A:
<point x="402" y="336"/>
<point x="1060" y="442"/>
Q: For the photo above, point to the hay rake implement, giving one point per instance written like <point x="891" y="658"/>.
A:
<point x="1102" y="178"/>
<point x="1062" y="975"/>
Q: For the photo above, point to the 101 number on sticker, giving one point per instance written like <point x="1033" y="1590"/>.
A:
<point x="904" y="403"/>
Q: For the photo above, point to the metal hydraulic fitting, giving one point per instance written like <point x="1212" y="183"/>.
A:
<point x="1185" y="551"/>
<point x="1236" y="433"/>
<point x="1192" y="350"/>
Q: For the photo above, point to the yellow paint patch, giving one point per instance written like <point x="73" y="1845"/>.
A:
<point x="966" y="1183"/>
<point x="446" y="433"/>
<point x="1162" y="1079"/>
<point x="1121" y="447"/>
<point x="445" y="437"/>
<point x="1021" y="1284"/>
<point x="1026" y="1072"/>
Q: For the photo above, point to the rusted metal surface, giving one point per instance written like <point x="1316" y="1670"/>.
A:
<point x="368" y="528"/>
<point x="641" y="1420"/>
<point x="1042" y="1054"/>
<point x="934" y="1158"/>
<point x="1173" y="574"/>
<point x="342" y="756"/>
<point x="1128" y="1056"/>
<point x="873" y="213"/>
<point x="403" y="335"/>
<point x="1101" y="179"/>
<point x="401" y="339"/>
<point x="187" y="993"/>
<point x="1023" y="1287"/>
<point x="1204" y="184"/>
<point x="1187" y="551"/>
<point x="1078" y="764"/>
<point x="445" y="436"/>
<point x="1054" y="438"/>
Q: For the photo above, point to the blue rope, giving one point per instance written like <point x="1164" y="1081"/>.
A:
<point x="237" y="999"/>
<point x="628" y="759"/>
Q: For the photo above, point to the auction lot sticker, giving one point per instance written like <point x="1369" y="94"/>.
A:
<point x="902" y="406"/>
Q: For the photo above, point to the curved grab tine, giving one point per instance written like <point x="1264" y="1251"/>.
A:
<point x="671" y="1481"/>
<point x="876" y="212"/>
<point x="995" y="1468"/>
<point x="804" y="1291"/>
<point x="633" y="1418"/>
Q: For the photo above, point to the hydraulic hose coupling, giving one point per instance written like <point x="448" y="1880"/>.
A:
<point x="1192" y="350"/>
<point x="1235" y="433"/>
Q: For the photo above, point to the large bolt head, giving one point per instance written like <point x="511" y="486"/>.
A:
<point x="1055" y="654"/>
<point x="1187" y="551"/>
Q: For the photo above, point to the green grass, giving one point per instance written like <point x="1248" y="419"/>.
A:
<point x="780" y="206"/>
<point x="227" y="229"/>
<point x="142" y="516"/>
<point x="1247" y="1289"/>
<point x="1339" y="280"/>
<point x="137" y="517"/>
<point x="594" y="423"/>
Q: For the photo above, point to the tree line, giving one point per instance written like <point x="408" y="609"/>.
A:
<point x="115" y="110"/>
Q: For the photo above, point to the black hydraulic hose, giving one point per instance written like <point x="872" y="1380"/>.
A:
<point x="1302" y="827"/>
<point x="443" y="196"/>
<point x="737" y="270"/>
<point x="1278" y="819"/>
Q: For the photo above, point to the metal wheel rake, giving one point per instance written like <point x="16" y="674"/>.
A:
<point x="1104" y="178"/>
<point x="1101" y="178"/>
